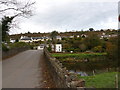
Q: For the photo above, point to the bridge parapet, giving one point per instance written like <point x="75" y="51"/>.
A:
<point x="14" y="51"/>
<point x="60" y="75"/>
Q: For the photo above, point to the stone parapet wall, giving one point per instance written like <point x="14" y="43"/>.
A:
<point x="11" y="52"/>
<point x="61" y="77"/>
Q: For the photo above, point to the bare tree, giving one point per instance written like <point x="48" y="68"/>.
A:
<point x="11" y="9"/>
<point x="16" y="8"/>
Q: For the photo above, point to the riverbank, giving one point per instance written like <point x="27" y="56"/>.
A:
<point x="103" y="80"/>
<point x="82" y="55"/>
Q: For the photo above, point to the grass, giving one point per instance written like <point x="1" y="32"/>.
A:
<point x="83" y="55"/>
<point x="103" y="80"/>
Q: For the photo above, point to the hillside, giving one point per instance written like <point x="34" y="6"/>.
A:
<point x="99" y="33"/>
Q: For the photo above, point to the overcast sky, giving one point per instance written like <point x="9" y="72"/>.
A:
<point x="68" y="15"/>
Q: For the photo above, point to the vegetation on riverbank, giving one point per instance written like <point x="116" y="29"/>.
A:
<point x="103" y="80"/>
<point x="84" y="55"/>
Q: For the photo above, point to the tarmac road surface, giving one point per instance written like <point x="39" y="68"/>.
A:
<point x="23" y="70"/>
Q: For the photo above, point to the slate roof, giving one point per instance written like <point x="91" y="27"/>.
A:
<point x="26" y="38"/>
<point x="37" y="38"/>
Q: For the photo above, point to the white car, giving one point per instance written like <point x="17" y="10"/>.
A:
<point x="40" y="47"/>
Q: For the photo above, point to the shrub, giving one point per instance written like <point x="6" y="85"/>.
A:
<point x="4" y="47"/>
<point x="18" y="45"/>
<point x="97" y="49"/>
<point x="49" y="48"/>
<point x="31" y="46"/>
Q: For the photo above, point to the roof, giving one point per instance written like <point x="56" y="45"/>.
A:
<point x="37" y="38"/>
<point x="26" y="38"/>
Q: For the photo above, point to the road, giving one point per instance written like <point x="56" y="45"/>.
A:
<point x="24" y="70"/>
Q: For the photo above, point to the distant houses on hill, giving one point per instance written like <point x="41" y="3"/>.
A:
<point x="104" y="35"/>
<point x="45" y="38"/>
<point x="33" y="39"/>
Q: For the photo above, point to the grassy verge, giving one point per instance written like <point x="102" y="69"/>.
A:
<point x="77" y="54"/>
<point x="103" y="80"/>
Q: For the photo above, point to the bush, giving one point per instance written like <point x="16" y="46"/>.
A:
<point x="97" y="49"/>
<point x="31" y="46"/>
<point x="4" y="47"/>
<point x="19" y="45"/>
<point x="49" y="48"/>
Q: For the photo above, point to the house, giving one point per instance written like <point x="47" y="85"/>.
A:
<point x="58" y="48"/>
<point x="52" y="46"/>
<point x="25" y="39"/>
<point x="58" y="38"/>
<point x="37" y="39"/>
<point x="78" y="36"/>
<point x="103" y="34"/>
<point x="65" y="36"/>
<point x="46" y="38"/>
<point x="83" y="36"/>
<point x="114" y="35"/>
<point x="71" y="36"/>
<point x="12" y="40"/>
<point x="33" y="39"/>
<point x="108" y="36"/>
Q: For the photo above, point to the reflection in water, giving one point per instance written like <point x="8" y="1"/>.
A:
<point x="90" y="68"/>
<point x="81" y="73"/>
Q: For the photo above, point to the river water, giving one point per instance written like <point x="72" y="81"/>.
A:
<point x="91" y="67"/>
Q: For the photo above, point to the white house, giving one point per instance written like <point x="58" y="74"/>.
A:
<point x="58" y="48"/>
<point x="46" y="38"/>
<point x="25" y="39"/>
<point x="78" y="36"/>
<point x="108" y="36"/>
<point x="32" y="39"/>
<point x="12" y="40"/>
<point x="71" y="36"/>
<point x="83" y="36"/>
<point x="36" y="39"/>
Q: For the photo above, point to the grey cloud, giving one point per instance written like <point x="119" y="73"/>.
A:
<point x="77" y="14"/>
<point x="74" y="16"/>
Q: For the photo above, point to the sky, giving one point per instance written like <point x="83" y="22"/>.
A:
<point x="69" y="15"/>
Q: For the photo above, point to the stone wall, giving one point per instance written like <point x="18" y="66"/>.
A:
<point x="61" y="77"/>
<point x="11" y="52"/>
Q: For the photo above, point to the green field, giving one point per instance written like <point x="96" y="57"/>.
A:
<point x="103" y="80"/>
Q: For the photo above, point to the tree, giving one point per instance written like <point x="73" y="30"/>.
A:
<point x="91" y="29"/>
<point x="17" y="40"/>
<point x="5" y="27"/>
<point x="92" y="41"/>
<point x="0" y="32"/>
<point x="112" y="48"/>
<point x="17" y="9"/>
<point x="29" y="32"/>
<point x="53" y="34"/>
<point x="53" y="37"/>
<point x="82" y="47"/>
